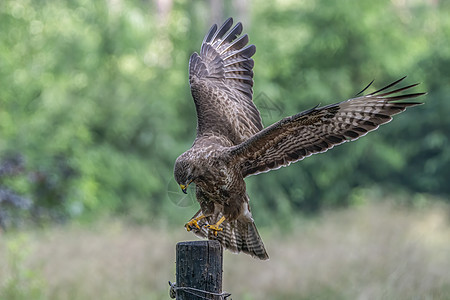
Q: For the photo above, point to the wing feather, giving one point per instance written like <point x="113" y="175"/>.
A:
<point x="222" y="30"/>
<point x="221" y="80"/>
<point x="319" y="129"/>
<point x="237" y="44"/>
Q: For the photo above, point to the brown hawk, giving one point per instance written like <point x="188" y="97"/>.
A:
<point x="232" y="143"/>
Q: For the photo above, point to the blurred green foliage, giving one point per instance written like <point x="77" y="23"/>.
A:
<point x="24" y="282"/>
<point x="94" y="96"/>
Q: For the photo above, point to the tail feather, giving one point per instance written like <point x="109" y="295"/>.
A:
<point x="254" y="244"/>
<point x="237" y="236"/>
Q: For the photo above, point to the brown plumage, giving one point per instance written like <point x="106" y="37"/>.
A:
<point x="231" y="142"/>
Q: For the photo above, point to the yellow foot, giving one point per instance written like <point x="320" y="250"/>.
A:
<point x="215" y="228"/>
<point x="193" y="223"/>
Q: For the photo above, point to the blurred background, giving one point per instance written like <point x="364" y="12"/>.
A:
<point x="95" y="107"/>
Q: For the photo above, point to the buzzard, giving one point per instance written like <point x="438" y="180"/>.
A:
<point x="232" y="143"/>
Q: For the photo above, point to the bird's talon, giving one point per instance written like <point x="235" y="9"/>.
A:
<point x="191" y="225"/>
<point x="215" y="229"/>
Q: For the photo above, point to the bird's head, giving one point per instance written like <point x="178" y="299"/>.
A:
<point x="184" y="172"/>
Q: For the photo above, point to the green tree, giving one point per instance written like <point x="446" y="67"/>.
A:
<point x="95" y="98"/>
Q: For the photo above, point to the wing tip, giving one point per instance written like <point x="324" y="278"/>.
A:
<point x="230" y="19"/>
<point x="390" y="95"/>
<point x="364" y="89"/>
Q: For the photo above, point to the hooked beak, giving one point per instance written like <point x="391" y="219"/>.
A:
<point x="183" y="188"/>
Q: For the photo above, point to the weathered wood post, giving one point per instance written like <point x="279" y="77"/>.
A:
<point x="199" y="270"/>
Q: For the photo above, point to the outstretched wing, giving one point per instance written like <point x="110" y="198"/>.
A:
<point x="319" y="129"/>
<point x="221" y="80"/>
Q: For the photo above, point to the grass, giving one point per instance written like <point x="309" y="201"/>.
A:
<point x="376" y="251"/>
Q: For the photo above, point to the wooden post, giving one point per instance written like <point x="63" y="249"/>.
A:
<point x="199" y="268"/>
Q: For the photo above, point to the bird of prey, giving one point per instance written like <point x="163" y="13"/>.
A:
<point x="231" y="142"/>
